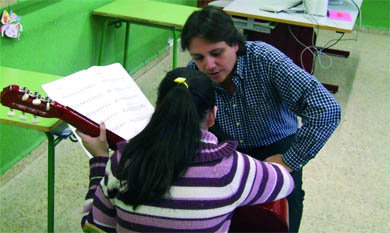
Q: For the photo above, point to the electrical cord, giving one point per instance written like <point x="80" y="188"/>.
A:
<point x="318" y="53"/>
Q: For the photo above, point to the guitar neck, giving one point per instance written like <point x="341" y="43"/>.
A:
<point x="22" y="99"/>
<point x="87" y="126"/>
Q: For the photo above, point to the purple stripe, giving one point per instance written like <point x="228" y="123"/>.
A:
<point x="90" y="194"/>
<point x="102" y="203"/>
<point x="97" y="171"/>
<point x="115" y="163"/>
<point x="210" y="203"/>
<point x="278" y="186"/>
<point x="203" y="170"/>
<point x="263" y="183"/>
<point x="98" y="159"/>
<point x="183" y="225"/>
<point x="170" y="223"/>
<point x="98" y="165"/>
<point x="213" y="181"/>
<point x="255" y="184"/>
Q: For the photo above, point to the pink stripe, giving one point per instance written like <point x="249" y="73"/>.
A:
<point x="155" y="221"/>
<point x="209" y="172"/>
<point x="100" y="217"/>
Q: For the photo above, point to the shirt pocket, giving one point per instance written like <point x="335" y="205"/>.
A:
<point x="261" y="105"/>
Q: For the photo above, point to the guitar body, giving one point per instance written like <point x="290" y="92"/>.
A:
<point x="270" y="217"/>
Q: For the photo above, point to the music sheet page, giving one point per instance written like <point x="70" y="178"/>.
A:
<point x="104" y="94"/>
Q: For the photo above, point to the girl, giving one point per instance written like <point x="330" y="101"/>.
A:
<point x="175" y="176"/>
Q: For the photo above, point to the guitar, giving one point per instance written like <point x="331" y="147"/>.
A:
<point x="24" y="100"/>
<point x="268" y="217"/>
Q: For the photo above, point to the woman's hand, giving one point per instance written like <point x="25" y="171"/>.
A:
<point x="97" y="146"/>
<point x="278" y="158"/>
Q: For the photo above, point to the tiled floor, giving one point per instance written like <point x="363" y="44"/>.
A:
<point x="347" y="185"/>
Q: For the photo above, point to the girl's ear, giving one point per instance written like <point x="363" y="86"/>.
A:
<point x="211" y="117"/>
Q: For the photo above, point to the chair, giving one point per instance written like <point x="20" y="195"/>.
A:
<point x="269" y="217"/>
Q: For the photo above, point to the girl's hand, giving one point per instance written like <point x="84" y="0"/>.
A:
<point x="97" y="146"/>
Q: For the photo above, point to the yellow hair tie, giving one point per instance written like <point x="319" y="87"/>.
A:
<point x="181" y="80"/>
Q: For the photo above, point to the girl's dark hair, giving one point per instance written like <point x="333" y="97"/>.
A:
<point x="160" y="153"/>
<point x="212" y="24"/>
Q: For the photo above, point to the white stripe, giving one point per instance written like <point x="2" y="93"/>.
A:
<point x="286" y="184"/>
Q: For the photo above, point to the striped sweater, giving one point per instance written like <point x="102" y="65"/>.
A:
<point x="202" y="200"/>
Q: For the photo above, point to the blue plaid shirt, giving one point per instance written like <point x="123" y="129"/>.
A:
<point x="271" y="91"/>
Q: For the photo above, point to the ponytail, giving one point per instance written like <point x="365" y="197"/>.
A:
<point x="154" y="159"/>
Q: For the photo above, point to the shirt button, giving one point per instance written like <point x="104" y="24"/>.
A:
<point x="238" y="123"/>
<point x="234" y="105"/>
<point x="241" y="141"/>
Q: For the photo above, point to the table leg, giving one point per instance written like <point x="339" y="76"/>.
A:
<point x="51" y="179"/>
<point x="174" y="52"/>
<point x="337" y="52"/>
<point x="102" y="41"/>
<point x="126" y="43"/>
<point x="50" y="183"/>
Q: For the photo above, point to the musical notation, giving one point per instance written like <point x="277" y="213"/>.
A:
<point x="104" y="94"/>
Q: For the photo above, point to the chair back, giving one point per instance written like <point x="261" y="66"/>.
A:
<point x="269" y="217"/>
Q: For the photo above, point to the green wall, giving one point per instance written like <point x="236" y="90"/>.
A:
<point x="376" y="14"/>
<point x="61" y="37"/>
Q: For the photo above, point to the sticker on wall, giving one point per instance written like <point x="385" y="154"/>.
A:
<point x="10" y="25"/>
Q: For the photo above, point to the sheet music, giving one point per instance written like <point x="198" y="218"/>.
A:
<point x="104" y="94"/>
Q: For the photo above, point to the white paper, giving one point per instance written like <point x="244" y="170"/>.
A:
<point x="104" y="94"/>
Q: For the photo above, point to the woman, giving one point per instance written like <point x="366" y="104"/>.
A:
<point x="175" y="175"/>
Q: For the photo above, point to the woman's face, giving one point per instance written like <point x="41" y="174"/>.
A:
<point x="216" y="59"/>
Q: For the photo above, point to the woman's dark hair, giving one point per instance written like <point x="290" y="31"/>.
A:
<point x="214" y="25"/>
<point x="160" y="153"/>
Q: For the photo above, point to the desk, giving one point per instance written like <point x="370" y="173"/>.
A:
<point x="300" y="24"/>
<point x="144" y="12"/>
<point x="250" y="9"/>
<point x="33" y="81"/>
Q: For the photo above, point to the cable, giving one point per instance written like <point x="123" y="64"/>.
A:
<point x="360" y="17"/>
<point x="318" y="53"/>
